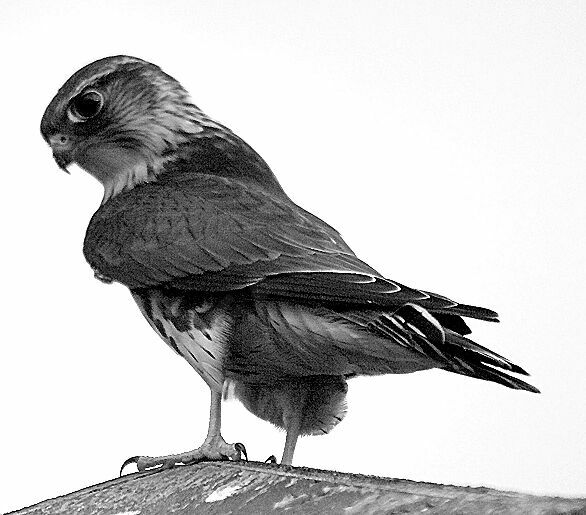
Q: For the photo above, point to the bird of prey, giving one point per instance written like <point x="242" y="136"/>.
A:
<point x="251" y="289"/>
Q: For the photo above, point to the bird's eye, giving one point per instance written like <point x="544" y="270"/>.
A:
<point x="85" y="106"/>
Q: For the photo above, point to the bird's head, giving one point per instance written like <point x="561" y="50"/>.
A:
<point x="120" y="118"/>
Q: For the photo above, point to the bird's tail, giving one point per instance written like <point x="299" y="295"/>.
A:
<point x="481" y="363"/>
<point x="414" y="326"/>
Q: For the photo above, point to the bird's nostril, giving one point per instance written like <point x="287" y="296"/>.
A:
<point x="59" y="140"/>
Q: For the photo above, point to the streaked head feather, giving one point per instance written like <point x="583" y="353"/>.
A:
<point x="146" y="115"/>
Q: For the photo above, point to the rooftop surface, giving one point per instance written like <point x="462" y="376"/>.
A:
<point x="257" y="488"/>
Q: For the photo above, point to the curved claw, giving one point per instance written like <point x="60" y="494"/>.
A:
<point x="212" y="449"/>
<point x="132" y="459"/>
<point x="142" y="464"/>
<point x="241" y="449"/>
<point x="271" y="459"/>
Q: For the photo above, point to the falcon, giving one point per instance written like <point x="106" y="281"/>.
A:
<point x="252" y="290"/>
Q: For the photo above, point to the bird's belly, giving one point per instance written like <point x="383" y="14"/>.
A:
<point x="194" y="328"/>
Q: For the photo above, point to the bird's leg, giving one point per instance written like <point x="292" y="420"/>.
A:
<point x="293" y="421"/>
<point x="213" y="448"/>
<point x="291" y="440"/>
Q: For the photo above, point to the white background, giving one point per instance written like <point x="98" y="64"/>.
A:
<point x="445" y="140"/>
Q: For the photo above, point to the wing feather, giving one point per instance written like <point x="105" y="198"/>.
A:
<point x="209" y="233"/>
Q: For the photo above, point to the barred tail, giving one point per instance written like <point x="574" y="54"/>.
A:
<point x="415" y="327"/>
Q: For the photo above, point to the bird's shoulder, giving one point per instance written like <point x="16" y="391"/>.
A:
<point x="201" y="198"/>
<point x="194" y="223"/>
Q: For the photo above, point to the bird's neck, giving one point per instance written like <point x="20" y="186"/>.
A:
<point x="218" y="151"/>
<point x="205" y="147"/>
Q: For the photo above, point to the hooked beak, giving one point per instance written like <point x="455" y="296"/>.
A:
<point x="62" y="147"/>
<point x="63" y="160"/>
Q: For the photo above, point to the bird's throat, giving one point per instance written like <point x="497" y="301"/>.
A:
<point x="118" y="169"/>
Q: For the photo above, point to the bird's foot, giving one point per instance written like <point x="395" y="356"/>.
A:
<point x="213" y="449"/>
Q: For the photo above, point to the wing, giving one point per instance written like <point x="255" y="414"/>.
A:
<point x="209" y="233"/>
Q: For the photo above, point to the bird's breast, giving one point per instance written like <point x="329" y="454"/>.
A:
<point x="196" y="327"/>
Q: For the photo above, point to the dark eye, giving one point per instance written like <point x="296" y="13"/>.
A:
<point x="85" y="106"/>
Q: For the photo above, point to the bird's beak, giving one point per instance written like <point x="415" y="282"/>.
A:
<point x="63" y="160"/>
<point x="62" y="147"/>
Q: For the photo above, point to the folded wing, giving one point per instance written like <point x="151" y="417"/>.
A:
<point x="208" y="233"/>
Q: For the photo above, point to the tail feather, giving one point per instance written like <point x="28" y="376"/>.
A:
<point x="454" y="322"/>
<point x="423" y="332"/>
<point x="466" y="348"/>
<point x="487" y="373"/>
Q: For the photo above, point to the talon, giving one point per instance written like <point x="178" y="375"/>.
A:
<point x="271" y="459"/>
<point x="133" y="459"/>
<point x="214" y="448"/>
<point x="241" y="449"/>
